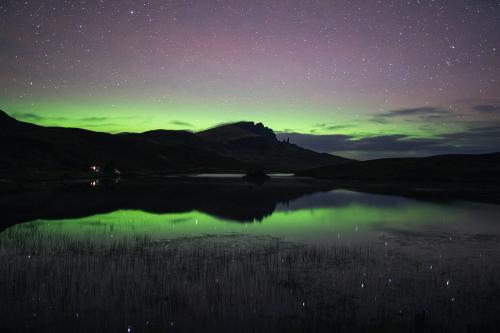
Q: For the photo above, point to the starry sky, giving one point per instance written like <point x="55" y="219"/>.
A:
<point x="357" y="78"/>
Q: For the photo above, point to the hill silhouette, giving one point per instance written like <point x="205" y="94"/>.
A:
<point x="33" y="151"/>
<point x="482" y="168"/>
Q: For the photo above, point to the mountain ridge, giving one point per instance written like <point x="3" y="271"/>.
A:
<point x="454" y="168"/>
<point x="240" y="147"/>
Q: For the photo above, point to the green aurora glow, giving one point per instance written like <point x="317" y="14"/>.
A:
<point x="132" y="117"/>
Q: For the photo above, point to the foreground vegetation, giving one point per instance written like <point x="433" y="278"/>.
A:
<point x="240" y="283"/>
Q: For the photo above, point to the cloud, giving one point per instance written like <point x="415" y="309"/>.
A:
<point x="333" y="126"/>
<point x="94" y="125"/>
<point x="38" y="118"/>
<point x="181" y="123"/>
<point x="487" y="108"/>
<point x="338" y="142"/>
<point x="421" y="112"/>
<point x="486" y="129"/>
<point x="485" y="135"/>
<point x="397" y="143"/>
<point x="473" y="140"/>
<point x="94" y="119"/>
<point x="322" y="143"/>
<point x="35" y="117"/>
<point x="28" y="116"/>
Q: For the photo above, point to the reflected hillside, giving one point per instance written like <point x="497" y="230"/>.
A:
<point x="230" y="199"/>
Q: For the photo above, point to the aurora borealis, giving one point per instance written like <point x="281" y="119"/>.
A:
<point x="358" y="78"/>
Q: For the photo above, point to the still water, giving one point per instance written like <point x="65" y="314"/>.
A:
<point x="333" y="217"/>
<point x="329" y="260"/>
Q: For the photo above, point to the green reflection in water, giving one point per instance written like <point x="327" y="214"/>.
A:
<point x="315" y="224"/>
<point x="361" y="217"/>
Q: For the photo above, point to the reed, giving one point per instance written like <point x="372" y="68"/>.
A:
<point x="235" y="283"/>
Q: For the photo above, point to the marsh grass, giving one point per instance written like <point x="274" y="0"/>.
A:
<point x="237" y="283"/>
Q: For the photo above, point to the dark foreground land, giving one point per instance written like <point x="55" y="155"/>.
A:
<point x="463" y="170"/>
<point x="32" y="152"/>
<point x="238" y="283"/>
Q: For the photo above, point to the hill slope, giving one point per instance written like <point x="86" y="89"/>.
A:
<point x="255" y="143"/>
<point x="442" y="168"/>
<point x="29" y="149"/>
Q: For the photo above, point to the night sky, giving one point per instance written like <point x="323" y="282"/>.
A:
<point x="356" y="78"/>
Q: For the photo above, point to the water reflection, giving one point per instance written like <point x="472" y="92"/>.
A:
<point x="226" y="198"/>
<point x="318" y="218"/>
<point x="305" y="260"/>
